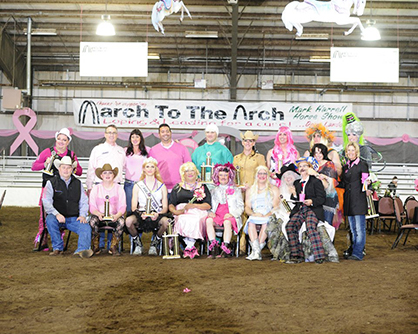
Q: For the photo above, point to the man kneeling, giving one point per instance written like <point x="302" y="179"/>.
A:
<point x="66" y="205"/>
<point x="311" y="195"/>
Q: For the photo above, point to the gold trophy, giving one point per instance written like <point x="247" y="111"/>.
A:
<point x="171" y="249"/>
<point x="147" y="212"/>
<point x="237" y="177"/>
<point x="48" y="168"/>
<point x="107" y="215"/>
<point x="371" y="211"/>
<point x="206" y="169"/>
<point x="285" y="204"/>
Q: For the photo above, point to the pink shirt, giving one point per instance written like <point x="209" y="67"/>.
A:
<point x="39" y="163"/>
<point x="116" y="195"/>
<point x="169" y="162"/>
<point x="133" y="166"/>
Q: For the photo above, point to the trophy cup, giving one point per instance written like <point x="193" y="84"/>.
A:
<point x="285" y="204"/>
<point x="371" y="210"/>
<point x="171" y="243"/>
<point x="206" y="169"/>
<point x="107" y="215"/>
<point x="147" y="212"/>
<point x="48" y="168"/>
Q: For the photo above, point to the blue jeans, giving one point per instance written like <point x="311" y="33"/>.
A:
<point x="358" y="230"/>
<point x="329" y="216"/>
<point x="71" y="223"/>
<point x="128" y="187"/>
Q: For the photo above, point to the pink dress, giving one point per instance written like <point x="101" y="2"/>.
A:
<point x="221" y="211"/>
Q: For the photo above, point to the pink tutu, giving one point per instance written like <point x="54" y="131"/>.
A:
<point x="221" y="211"/>
<point x="192" y="223"/>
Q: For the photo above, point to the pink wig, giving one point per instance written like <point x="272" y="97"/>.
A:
<point x="228" y="168"/>
<point x="291" y="152"/>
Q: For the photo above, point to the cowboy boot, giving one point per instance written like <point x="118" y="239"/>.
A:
<point x="226" y="250"/>
<point x="255" y="251"/>
<point x="114" y="246"/>
<point x="96" y="242"/>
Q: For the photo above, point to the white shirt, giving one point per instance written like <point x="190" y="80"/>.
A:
<point x="102" y="154"/>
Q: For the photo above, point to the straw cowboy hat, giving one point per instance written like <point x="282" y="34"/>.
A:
<point x="249" y="135"/>
<point x="106" y="167"/>
<point x="65" y="161"/>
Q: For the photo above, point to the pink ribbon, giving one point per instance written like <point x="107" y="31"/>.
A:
<point x="24" y="130"/>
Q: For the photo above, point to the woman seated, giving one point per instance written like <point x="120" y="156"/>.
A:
<point x="260" y="201"/>
<point x="189" y="202"/>
<point x="276" y="229"/>
<point x="148" y="193"/>
<point x="327" y="173"/>
<point x="227" y="207"/>
<point x="113" y="193"/>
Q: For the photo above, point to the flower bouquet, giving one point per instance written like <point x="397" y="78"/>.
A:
<point x="198" y="195"/>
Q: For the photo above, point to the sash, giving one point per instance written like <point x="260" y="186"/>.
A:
<point x="154" y="204"/>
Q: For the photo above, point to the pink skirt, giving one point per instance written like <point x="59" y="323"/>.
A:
<point x="191" y="224"/>
<point x="221" y="211"/>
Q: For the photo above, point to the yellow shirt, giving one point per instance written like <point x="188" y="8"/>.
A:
<point x="247" y="165"/>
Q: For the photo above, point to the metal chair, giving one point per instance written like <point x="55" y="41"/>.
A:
<point x="409" y="227"/>
<point x="386" y="210"/>
<point x="1" y="201"/>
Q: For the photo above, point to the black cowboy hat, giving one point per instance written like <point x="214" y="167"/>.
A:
<point x="287" y="168"/>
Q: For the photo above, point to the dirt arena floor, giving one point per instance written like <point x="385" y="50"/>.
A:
<point x="105" y="294"/>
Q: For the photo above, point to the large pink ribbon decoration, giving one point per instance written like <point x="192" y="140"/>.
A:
<point x="24" y="130"/>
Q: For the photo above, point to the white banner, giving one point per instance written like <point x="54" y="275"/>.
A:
<point x="364" y="65"/>
<point x="198" y="114"/>
<point x="113" y="59"/>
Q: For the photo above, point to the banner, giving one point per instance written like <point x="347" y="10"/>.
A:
<point x="198" y="114"/>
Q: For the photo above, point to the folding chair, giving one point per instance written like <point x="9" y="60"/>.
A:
<point x="409" y="227"/>
<point x="1" y="201"/>
<point x="386" y="211"/>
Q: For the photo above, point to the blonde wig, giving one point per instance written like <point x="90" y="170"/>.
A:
<point x="157" y="174"/>
<point x="254" y="187"/>
<point x="188" y="166"/>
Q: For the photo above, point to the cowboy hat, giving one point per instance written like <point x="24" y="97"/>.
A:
<point x="310" y="161"/>
<point x="65" y="161"/>
<point x="249" y="135"/>
<point x="63" y="131"/>
<point x="106" y="167"/>
<point x="287" y="168"/>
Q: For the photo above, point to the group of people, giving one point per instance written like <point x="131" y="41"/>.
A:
<point x="287" y="202"/>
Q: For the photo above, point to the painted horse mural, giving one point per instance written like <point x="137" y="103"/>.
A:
<point x="296" y="13"/>
<point x="165" y="8"/>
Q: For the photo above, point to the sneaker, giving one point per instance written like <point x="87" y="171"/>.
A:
<point x="85" y="253"/>
<point x="137" y="246"/>
<point x="153" y="250"/>
<point x="213" y="249"/>
<point x="56" y="253"/>
<point x="194" y="253"/>
<point x="226" y="252"/>
<point x="187" y="253"/>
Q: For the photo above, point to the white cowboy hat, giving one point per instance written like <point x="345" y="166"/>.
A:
<point x="63" y="131"/>
<point x="65" y="161"/>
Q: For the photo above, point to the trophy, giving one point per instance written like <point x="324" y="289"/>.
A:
<point x="280" y="163"/>
<point x="237" y="177"/>
<point x="285" y="204"/>
<point x="48" y="168"/>
<point x="207" y="169"/>
<point x="371" y="210"/>
<point x="171" y="243"/>
<point x="147" y="212"/>
<point x="107" y="215"/>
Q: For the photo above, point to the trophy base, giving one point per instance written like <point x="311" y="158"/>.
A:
<point x="107" y="218"/>
<point x="148" y="215"/>
<point x="372" y="216"/>
<point x="170" y="257"/>
<point x="48" y="172"/>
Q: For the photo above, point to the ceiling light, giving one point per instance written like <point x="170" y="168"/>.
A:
<point x="370" y="33"/>
<point x="320" y="59"/>
<point x="313" y="36"/>
<point x="201" y="34"/>
<point x="105" y="28"/>
<point x="41" y="32"/>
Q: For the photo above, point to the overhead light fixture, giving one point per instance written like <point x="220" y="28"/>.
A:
<point x="370" y="33"/>
<point x="105" y="28"/>
<point x="201" y="34"/>
<point x="320" y="59"/>
<point x="153" y="56"/>
<point x="313" y="36"/>
<point x="41" y="32"/>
